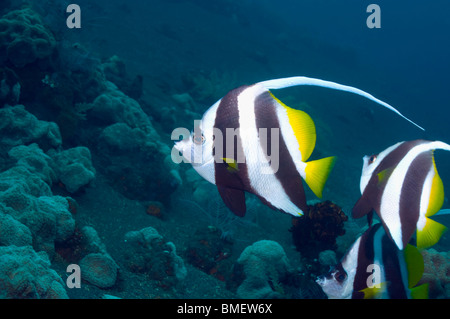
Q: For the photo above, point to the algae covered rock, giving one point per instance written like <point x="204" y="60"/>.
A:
<point x="47" y="217"/>
<point x="74" y="168"/>
<point x="24" y="38"/>
<point x="99" y="269"/>
<point x="13" y="232"/>
<point x="19" y="127"/>
<point x="27" y="274"/>
<point x="114" y="106"/>
<point x="263" y="265"/>
<point x="34" y="160"/>
<point x="147" y="252"/>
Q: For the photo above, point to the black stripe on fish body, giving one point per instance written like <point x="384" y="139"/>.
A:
<point x="411" y="194"/>
<point x="231" y="185"/>
<point x="394" y="269"/>
<point x="371" y="197"/>
<point x="266" y="118"/>
<point x="366" y="256"/>
<point x="375" y="241"/>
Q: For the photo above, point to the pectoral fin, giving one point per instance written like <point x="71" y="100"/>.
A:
<point x="234" y="199"/>
<point x="362" y="207"/>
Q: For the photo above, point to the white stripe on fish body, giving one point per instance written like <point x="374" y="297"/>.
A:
<point x="261" y="175"/>
<point x="425" y="198"/>
<point x="368" y="169"/>
<point x="390" y="200"/>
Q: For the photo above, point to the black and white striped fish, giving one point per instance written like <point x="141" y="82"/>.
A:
<point x="403" y="186"/>
<point x="374" y="268"/>
<point x="249" y="141"/>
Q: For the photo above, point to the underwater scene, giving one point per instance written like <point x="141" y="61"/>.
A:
<point x="252" y="149"/>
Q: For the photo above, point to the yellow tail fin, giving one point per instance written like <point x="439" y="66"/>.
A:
<point x="316" y="174"/>
<point x="430" y="234"/>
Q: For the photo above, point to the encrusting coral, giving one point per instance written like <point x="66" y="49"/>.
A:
<point x="262" y="267"/>
<point x="25" y="273"/>
<point x="147" y="252"/>
<point x="23" y="38"/>
<point x="436" y="273"/>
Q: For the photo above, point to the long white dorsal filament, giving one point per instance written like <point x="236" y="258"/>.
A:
<point x="302" y="80"/>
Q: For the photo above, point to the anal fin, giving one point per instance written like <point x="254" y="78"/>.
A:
<point x="234" y="199"/>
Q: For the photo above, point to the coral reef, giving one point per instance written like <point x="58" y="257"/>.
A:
<point x="262" y="268"/>
<point x="19" y="127"/>
<point x="125" y="153"/>
<point x="146" y="251"/>
<point x="74" y="168"/>
<point x="436" y="273"/>
<point x="27" y="274"/>
<point x="99" y="270"/>
<point x="318" y="228"/>
<point x="114" y="106"/>
<point x="23" y="38"/>
<point x="115" y="71"/>
<point x="13" y="232"/>
<point x="85" y="248"/>
<point x="9" y="87"/>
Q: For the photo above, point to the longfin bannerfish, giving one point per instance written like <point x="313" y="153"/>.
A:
<point x="402" y="185"/>
<point x="268" y="151"/>
<point x="374" y="268"/>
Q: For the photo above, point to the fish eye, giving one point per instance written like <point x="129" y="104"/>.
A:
<point x="198" y="139"/>
<point x="340" y="276"/>
<point x="372" y="159"/>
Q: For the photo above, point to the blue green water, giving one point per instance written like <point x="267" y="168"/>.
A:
<point x="176" y="58"/>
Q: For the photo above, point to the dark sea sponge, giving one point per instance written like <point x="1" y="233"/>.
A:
<point x="318" y="228"/>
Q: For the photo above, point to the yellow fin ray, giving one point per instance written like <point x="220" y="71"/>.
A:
<point x="303" y="127"/>
<point x="414" y="265"/>
<point x="430" y="234"/>
<point x="436" y="195"/>
<point x="317" y="172"/>
<point x="420" y="292"/>
<point x="374" y="292"/>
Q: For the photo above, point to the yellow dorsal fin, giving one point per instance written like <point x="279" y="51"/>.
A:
<point x="436" y="194"/>
<point x="430" y="234"/>
<point x="303" y="127"/>
<point x="414" y="265"/>
<point x="317" y="172"/>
